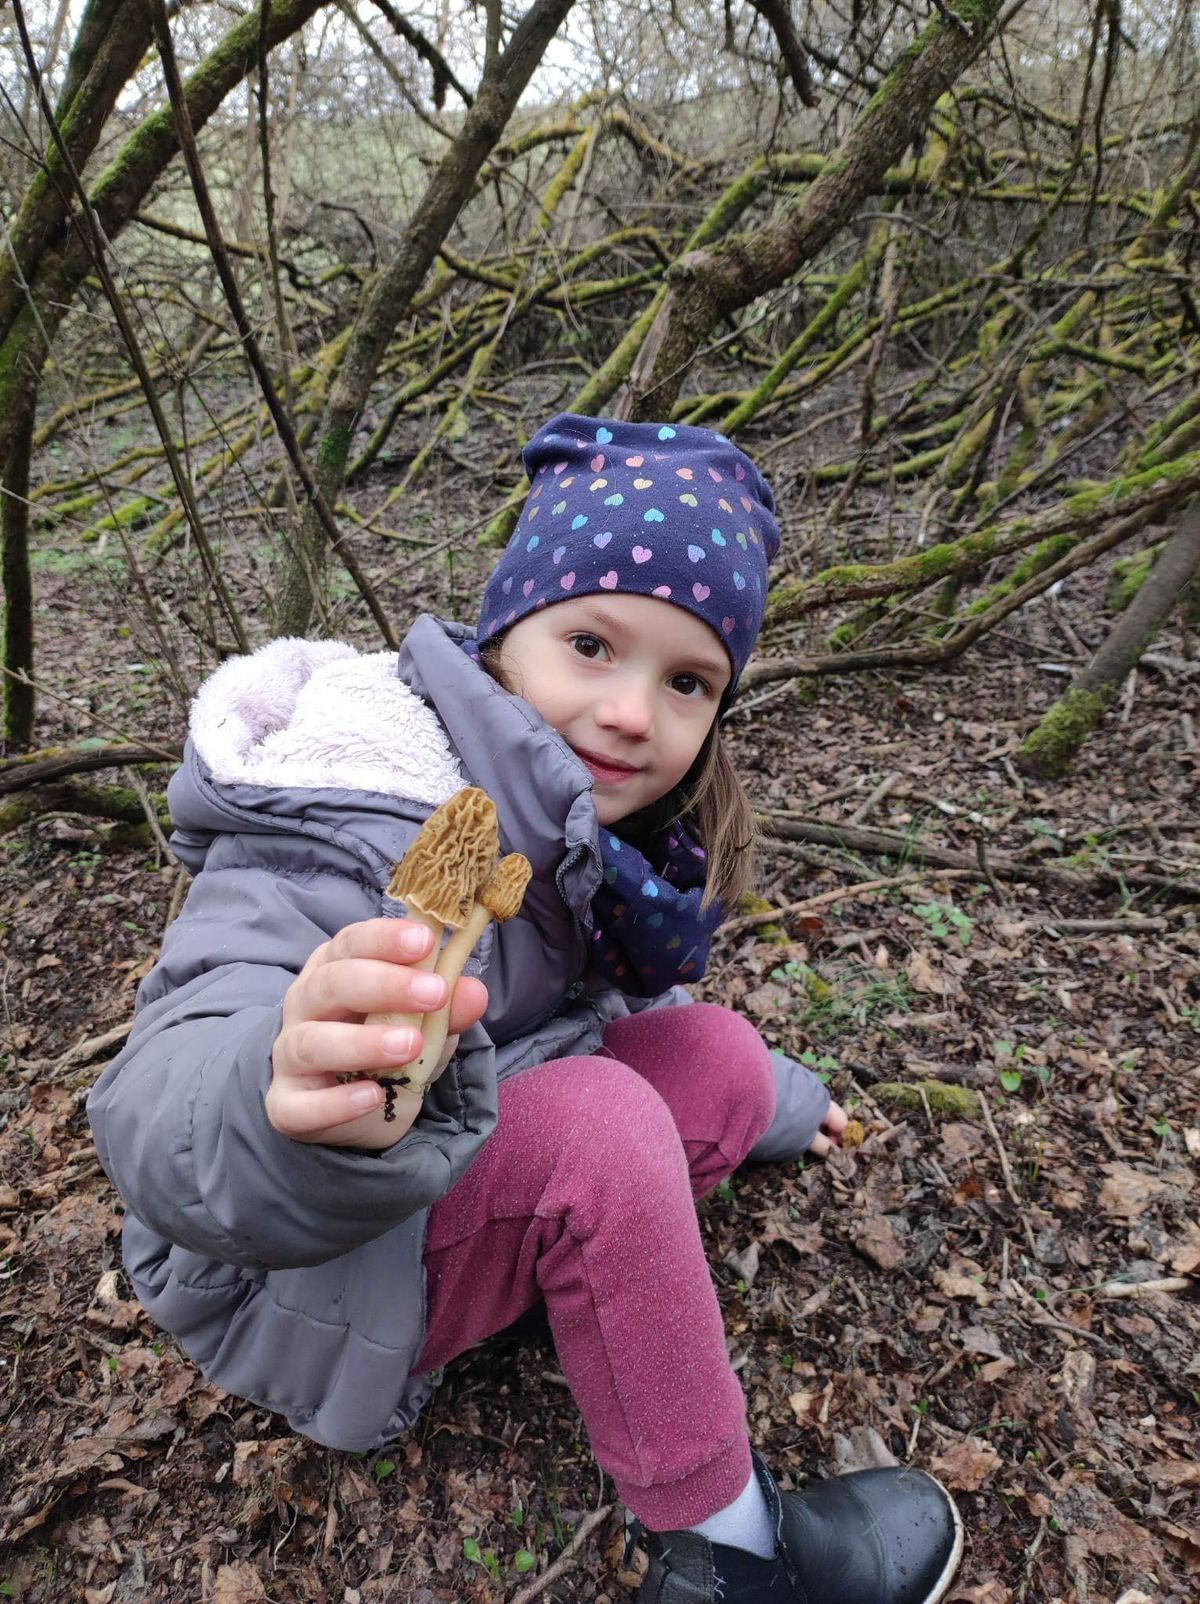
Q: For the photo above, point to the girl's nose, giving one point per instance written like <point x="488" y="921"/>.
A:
<point x="627" y="710"/>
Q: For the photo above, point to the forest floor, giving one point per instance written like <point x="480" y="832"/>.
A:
<point x="1006" y="1299"/>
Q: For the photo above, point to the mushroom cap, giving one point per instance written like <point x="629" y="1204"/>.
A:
<point x="451" y="855"/>
<point x="504" y="890"/>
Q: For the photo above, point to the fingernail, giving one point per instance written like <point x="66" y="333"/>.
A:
<point x="429" y="989"/>
<point x="365" y="1097"/>
<point x="400" y="1044"/>
<point x="414" y="941"/>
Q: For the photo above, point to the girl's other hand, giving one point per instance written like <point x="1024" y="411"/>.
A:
<point x="365" y="969"/>
<point x="830" y="1134"/>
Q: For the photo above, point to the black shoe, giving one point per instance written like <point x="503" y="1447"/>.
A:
<point x="873" y="1537"/>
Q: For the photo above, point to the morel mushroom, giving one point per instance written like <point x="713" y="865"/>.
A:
<point x="439" y="877"/>
<point x="500" y="897"/>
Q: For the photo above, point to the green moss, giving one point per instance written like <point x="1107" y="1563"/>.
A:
<point x="1033" y="563"/>
<point x="944" y="1099"/>
<point x="820" y="992"/>
<point x="843" y="636"/>
<point x="565" y="177"/>
<point x="1049" y="750"/>
<point x="151" y="145"/>
<point x="332" y="452"/>
<point x="1089" y="498"/>
<point x="500" y="529"/>
<point x="1131" y="573"/>
<point x="1128" y="577"/>
<point x="133" y="515"/>
<point x="750" y="903"/>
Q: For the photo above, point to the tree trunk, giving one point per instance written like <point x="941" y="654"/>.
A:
<point x="116" y="46"/>
<point x="708" y="286"/>
<point x="18" y="588"/>
<point x="116" y="195"/>
<point x="448" y="189"/>
<point x="1050" y="749"/>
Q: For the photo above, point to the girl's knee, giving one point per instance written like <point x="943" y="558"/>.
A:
<point x="598" y="1110"/>
<point x="736" y="1057"/>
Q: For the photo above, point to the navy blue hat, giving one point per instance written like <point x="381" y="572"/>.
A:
<point x="648" y="509"/>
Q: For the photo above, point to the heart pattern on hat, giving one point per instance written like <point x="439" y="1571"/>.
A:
<point x="616" y="529"/>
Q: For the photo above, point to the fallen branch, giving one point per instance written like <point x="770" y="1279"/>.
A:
<point x="56" y="762"/>
<point x="840" y="894"/>
<point x="1098" y="927"/>
<point x="1051" y="748"/>
<point x="81" y="1052"/>
<point x="1006" y="1171"/>
<point x="113" y="804"/>
<point x="888" y="843"/>
<point x="1143" y="1289"/>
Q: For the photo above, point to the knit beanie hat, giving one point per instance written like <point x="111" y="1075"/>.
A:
<point x="645" y="509"/>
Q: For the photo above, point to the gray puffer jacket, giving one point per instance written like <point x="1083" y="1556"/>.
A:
<point x="290" y="1272"/>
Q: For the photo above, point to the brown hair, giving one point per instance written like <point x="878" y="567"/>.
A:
<point x="710" y="801"/>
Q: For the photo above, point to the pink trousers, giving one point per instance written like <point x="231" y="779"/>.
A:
<point x="584" y="1196"/>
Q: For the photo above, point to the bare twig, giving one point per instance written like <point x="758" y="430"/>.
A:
<point x="1144" y="1289"/>
<point x="566" y="1559"/>
<point x="886" y="785"/>
<point x="841" y="894"/>
<point x="245" y="329"/>
<point x="1006" y="1171"/>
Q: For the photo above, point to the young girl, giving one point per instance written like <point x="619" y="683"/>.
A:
<point x="316" y="1259"/>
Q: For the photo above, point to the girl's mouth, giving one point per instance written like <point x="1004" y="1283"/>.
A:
<point x="607" y="770"/>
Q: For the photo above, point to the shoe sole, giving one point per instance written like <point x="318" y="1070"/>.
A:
<point x="951" y="1566"/>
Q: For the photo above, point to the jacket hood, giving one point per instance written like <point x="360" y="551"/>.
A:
<point x="338" y="756"/>
<point x="308" y="735"/>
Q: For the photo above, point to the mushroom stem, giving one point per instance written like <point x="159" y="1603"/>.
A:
<point x="498" y="898"/>
<point x="435" y="1027"/>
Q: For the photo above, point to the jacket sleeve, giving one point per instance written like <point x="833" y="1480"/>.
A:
<point x="179" y="1117"/>
<point x="801" y="1103"/>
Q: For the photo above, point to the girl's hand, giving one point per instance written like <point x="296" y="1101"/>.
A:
<point x="830" y="1134"/>
<point x="364" y="969"/>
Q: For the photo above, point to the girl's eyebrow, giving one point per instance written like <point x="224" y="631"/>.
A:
<point x="702" y="664"/>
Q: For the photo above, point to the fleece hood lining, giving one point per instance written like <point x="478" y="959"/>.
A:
<point x="312" y="714"/>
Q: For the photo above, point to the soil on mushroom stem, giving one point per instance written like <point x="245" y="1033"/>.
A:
<point x="892" y="1288"/>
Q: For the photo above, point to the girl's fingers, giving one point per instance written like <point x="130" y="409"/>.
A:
<point x="322" y="1047"/>
<point x="836" y="1119"/>
<point x="397" y="941"/>
<point x="820" y="1145"/>
<point x="316" y="1048"/>
<point x="306" y="1114"/>
<point x="369" y="986"/>
<point x="469" y="1005"/>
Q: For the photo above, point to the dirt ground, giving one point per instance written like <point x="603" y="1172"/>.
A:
<point x="1003" y="1293"/>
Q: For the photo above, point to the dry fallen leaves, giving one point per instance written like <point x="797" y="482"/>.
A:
<point x="1126" y="1192"/>
<point x="878" y="1238"/>
<point x="238" y="1583"/>
<point x="957" y="1285"/>
<point x="992" y="1592"/>
<point x="966" y="1465"/>
<point x="924" y="977"/>
<point x="1183" y="1254"/>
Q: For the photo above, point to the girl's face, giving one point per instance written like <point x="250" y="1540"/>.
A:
<point x="631" y="683"/>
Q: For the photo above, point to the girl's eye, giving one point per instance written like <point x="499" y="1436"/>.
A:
<point x="690" y="685"/>
<point x="587" y="645"/>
